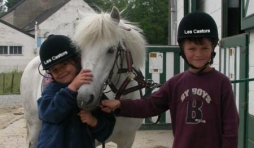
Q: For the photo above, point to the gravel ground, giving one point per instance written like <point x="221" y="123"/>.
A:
<point x="13" y="130"/>
<point x="10" y="100"/>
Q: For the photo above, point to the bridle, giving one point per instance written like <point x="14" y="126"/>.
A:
<point x="132" y="74"/>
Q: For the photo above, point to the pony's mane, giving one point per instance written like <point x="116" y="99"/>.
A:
<point x="101" y="29"/>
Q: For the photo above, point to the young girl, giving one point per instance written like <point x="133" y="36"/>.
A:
<point x="200" y="100"/>
<point x="63" y="124"/>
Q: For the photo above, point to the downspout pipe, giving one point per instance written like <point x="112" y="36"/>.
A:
<point x="35" y="37"/>
<point x="173" y="21"/>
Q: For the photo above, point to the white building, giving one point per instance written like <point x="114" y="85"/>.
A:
<point x="17" y="48"/>
<point x="60" y="19"/>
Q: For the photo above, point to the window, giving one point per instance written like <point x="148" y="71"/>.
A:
<point x="10" y="50"/>
<point x="3" y="49"/>
<point x="247" y="14"/>
<point x="15" y="50"/>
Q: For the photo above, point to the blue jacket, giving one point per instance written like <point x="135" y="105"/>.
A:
<point x="62" y="127"/>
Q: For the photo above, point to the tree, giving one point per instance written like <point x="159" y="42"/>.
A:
<point x="151" y="15"/>
<point x="10" y="3"/>
<point x="2" y="7"/>
<point x="153" y="18"/>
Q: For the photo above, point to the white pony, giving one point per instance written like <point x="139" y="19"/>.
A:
<point x="99" y="36"/>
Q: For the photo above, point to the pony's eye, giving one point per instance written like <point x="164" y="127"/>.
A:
<point x="111" y="50"/>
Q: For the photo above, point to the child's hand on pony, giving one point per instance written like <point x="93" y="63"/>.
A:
<point x="109" y="105"/>
<point x="88" y="118"/>
<point x="84" y="77"/>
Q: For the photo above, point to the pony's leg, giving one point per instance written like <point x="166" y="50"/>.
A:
<point x="126" y="142"/>
<point x="33" y="127"/>
<point x="125" y="131"/>
<point x="33" y="123"/>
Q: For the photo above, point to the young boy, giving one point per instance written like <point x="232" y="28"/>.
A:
<point x="200" y="100"/>
<point x="63" y="124"/>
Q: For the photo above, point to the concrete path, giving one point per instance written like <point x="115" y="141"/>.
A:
<point x="150" y="139"/>
<point x="14" y="136"/>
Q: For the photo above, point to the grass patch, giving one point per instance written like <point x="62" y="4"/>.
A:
<point x="10" y="82"/>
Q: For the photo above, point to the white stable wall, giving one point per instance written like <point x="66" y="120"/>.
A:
<point x="64" y="20"/>
<point x="251" y="71"/>
<point x="12" y="37"/>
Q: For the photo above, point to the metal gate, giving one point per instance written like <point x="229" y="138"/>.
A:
<point x="234" y="64"/>
<point x="162" y="63"/>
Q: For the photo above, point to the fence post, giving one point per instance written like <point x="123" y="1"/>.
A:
<point x="12" y="79"/>
<point x="3" y="82"/>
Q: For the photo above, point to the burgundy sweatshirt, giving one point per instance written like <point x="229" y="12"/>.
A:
<point x="202" y="107"/>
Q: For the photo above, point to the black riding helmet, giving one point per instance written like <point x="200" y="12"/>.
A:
<point x="55" y="49"/>
<point x="197" y="25"/>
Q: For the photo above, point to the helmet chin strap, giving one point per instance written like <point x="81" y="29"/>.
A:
<point x="203" y="67"/>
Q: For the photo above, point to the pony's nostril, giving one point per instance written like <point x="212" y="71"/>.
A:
<point x="90" y="99"/>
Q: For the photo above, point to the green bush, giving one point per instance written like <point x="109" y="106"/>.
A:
<point x="10" y="82"/>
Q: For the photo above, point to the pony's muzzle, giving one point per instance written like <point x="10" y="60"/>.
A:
<point x="90" y="100"/>
<point x="86" y="102"/>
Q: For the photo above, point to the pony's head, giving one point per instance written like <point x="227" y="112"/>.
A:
<point x="99" y="36"/>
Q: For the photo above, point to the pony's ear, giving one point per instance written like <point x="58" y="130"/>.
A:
<point x="80" y="14"/>
<point x="115" y="14"/>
